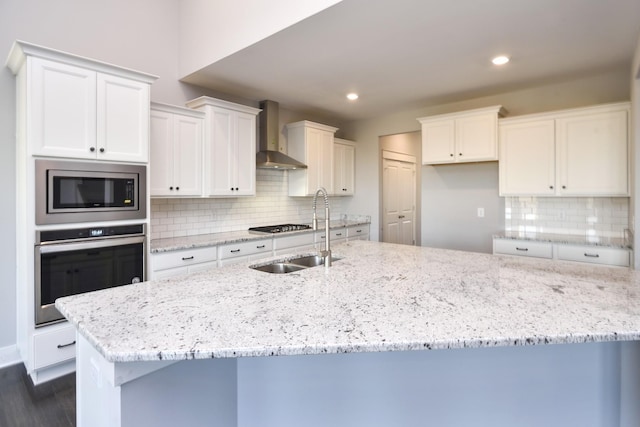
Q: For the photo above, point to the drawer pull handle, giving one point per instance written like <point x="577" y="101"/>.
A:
<point x="67" y="345"/>
<point x="358" y="231"/>
<point x="235" y="250"/>
<point x="260" y="247"/>
<point x="592" y="255"/>
<point x="522" y="249"/>
<point x="187" y="258"/>
<point x="338" y="234"/>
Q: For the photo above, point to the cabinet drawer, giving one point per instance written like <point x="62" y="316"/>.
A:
<point x="53" y="347"/>
<point x="246" y="248"/>
<point x="523" y="248"/>
<point x="293" y="241"/>
<point x="594" y="255"/>
<point x="359" y="231"/>
<point x="336" y="234"/>
<point x="165" y="260"/>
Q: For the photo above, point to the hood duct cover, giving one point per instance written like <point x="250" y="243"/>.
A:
<point x="269" y="157"/>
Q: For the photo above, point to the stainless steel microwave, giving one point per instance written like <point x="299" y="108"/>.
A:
<point x="74" y="192"/>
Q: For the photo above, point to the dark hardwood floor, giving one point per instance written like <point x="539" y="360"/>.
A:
<point x="52" y="404"/>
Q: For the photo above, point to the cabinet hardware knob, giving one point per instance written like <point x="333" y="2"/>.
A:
<point x="260" y="247"/>
<point x="231" y="188"/>
<point x="170" y="188"/>
<point x="235" y="250"/>
<point x="451" y="155"/>
<point x="102" y="150"/>
<point x="92" y="149"/>
<point x="592" y="255"/>
<point x="522" y="249"/>
<point x="459" y="154"/>
<point x="67" y="345"/>
<point x="187" y="258"/>
<point x="177" y="188"/>
<point x="358" y="231"/>
<point x="338" y="234"/>
<point x="551" y="187"/>
<point x="400" y="216"/>
<point x="564" y="187"/>
<point x="237" y="188"/>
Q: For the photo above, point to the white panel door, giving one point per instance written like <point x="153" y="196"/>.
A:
<point x="527" y="158"/>
<point x="122" y="119"/>
<point x="438" y="142"/>
<point x="62" y="110"/>
<point x="187" y="155"/>
<point x="592" y="154"/>
<point x="399" y="201"/>
<point x="245" y="155"/>
<point x="476" y="138"/>
<point x="161" y="161"/>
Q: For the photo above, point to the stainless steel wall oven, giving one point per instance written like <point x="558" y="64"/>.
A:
<point x="74" y="261"/>
<point x="72" y="192"/>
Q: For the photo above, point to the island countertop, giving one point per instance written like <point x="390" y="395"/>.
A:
<point x="378" y="297"/>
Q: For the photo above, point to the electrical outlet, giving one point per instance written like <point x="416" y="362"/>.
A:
<point x="480" y="212"/>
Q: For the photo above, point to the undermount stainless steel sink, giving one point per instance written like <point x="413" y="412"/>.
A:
<point x="310" y="260"/>
<point x="278" y="268"/>
<point x="292" y="265"/>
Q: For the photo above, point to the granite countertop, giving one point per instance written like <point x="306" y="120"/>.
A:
<point x="215" y="239"/>
<point x="378" y="297"/>
<point x="568" y="239"/>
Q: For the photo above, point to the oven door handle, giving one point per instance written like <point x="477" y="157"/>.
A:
<point x="92" y="244"/>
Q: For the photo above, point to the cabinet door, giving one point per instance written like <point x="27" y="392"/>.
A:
<point x="220" y="157"/>
<point x="476" y="138"/>
<point x="313" y="160"/>
<point x="122" y="119"/>
<point x="593" y="154"/>
<point x="527" y="158"/>
<point x="161" y="163"/>
<point x="344" y="169"/>
<point x="245" y="155"/>
<point x="325" y="160"/>
<point x="438" y="142"/>
<point x="187" y="155"/>
<point x="62" y="103"/>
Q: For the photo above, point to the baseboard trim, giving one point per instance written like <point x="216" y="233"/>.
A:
<point x="9" y="356"/>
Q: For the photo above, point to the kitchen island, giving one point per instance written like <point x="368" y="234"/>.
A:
<point x="519" y="342"/>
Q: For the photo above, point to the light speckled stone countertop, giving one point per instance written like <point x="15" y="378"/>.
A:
<point x="378" y="297"/>
<point x="568" y="239"/>
<point x="215" y="239"/>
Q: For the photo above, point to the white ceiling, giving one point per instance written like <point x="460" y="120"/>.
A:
<point x="400" y="54"/>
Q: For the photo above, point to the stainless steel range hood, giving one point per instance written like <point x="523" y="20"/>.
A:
<point x="269" y="157"/>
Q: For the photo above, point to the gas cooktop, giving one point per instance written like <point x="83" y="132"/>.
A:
<point x="281" y="228"/>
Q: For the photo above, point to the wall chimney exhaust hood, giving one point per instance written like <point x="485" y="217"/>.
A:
<point x="269" y="157"/>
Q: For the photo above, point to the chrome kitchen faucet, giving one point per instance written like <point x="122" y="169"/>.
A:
<point x="326" y="253"/>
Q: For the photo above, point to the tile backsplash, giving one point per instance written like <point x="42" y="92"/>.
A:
<point x="587" y="216"/>
<point x="271" y="205"/>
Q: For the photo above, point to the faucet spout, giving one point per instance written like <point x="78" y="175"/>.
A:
<point x="326" y="253"/>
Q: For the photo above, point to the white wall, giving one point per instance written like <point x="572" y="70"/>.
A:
<point x="635" y="150"/>
<point x="240" y="23"/>
<point x="609" y="86"/>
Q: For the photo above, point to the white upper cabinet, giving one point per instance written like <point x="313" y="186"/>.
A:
<point x="312" y="144"/>
<point x="344" y="158"/>
<point x="578" y="152"/>
<point x="229" y="148"/>
<point x="176" y="151"/>
<point x="80" y="108"/>
<point x="467" y="136"/>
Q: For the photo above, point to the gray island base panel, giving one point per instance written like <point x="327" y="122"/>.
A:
<point x="137" y="344"/>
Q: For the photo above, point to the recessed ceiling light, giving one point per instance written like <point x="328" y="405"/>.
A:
<point x="500" y="60"/>
<point x="352" y="96"/>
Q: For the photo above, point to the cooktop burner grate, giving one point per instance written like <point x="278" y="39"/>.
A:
<point x="281" y="228"/>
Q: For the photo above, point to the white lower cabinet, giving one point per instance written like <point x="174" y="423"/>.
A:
<point x="523" y="248"/>
<point x="337" y="235"/>
<point x="245" y="251"/>
<point x="282" y="245"/>
<point x="563" y="252"/>
<point x="358" y="232"/>
<point x="176" y="263"/>
<point x="594" y="255"/>
<point x="53" y="345"/>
